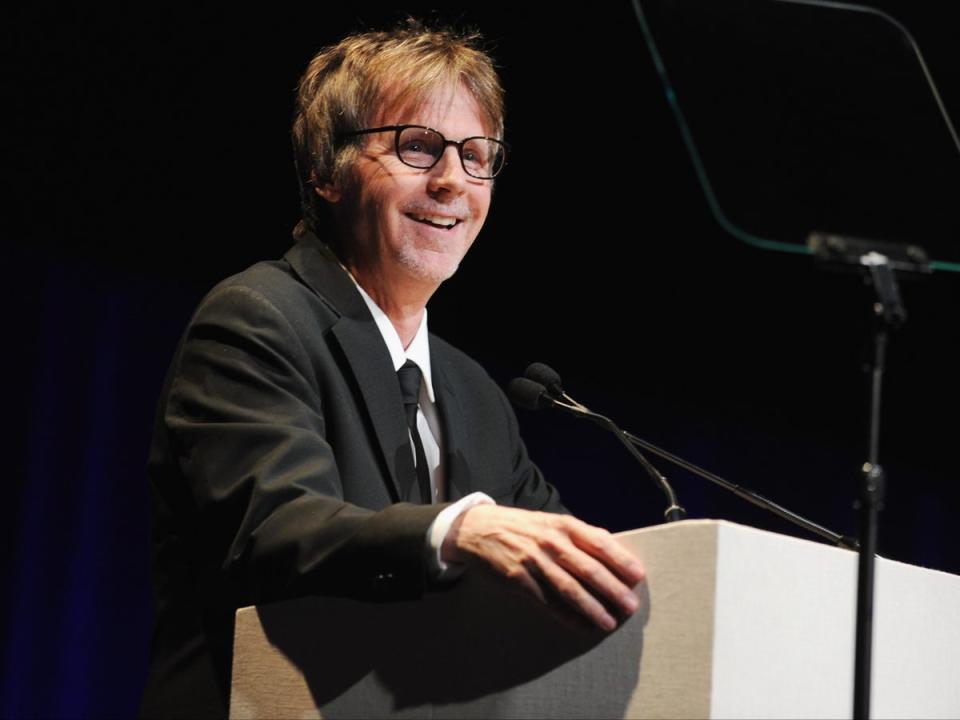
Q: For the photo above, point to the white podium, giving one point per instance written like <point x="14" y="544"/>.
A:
<point x="734" y="623"/>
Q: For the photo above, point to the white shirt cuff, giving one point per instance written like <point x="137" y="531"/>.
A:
<point x="437" y="533"/>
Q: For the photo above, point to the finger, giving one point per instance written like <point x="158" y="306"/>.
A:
<point x="570" y="591"/>
<point x="572" y="619"/>
<point x="591" y="572"/>
<point x="603" y="582"/>
<point x="528" y="581"/>
<point x="602" y="545"/>
<point x="523" y="579"/>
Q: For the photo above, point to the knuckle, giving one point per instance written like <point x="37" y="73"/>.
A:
<point x="568" y="588"/>
<point x="515" y="574"/>
<point x="603" y="543"/>
<point x="594" y="575"/>
<point x="553" y="542"/>
<point x="597" y="535"/>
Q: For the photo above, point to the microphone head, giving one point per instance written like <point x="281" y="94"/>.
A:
<point x="546" y="376"/>
<point x="528" y="394"/>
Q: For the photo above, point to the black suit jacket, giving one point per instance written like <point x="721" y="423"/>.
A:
<point x="280" y="457"/>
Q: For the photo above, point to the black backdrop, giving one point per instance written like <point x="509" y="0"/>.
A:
<point x="146" y="156"/>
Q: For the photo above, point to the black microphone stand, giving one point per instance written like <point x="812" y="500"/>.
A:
<point x="880" y="260"/>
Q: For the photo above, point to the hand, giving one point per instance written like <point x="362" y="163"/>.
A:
<point x="548" y="556"/>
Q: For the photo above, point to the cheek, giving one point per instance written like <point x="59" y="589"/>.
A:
<point x="482" y="204"/>
<point x="374" y="210"/>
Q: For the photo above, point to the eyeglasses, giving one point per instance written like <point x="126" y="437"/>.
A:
<point x="422" y="147"/>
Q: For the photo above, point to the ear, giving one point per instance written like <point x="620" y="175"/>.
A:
<point x="329" y="192"/>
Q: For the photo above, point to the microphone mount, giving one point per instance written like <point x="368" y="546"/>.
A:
<point x="674" y="510"/>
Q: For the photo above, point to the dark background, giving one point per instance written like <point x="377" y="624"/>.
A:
<point x="146" y="156"/>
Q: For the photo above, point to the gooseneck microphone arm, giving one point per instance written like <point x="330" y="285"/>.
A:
<point x="533" y="395"/>
<point x="674" y="511"/>
<point x="757" y="499"/>
<point x="548" y="381"/>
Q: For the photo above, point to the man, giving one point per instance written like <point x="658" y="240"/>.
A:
<point x="284" y="461"/>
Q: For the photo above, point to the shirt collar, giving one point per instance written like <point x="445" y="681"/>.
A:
<point x="419" y="349"/>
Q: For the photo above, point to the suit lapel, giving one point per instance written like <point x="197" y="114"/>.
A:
<point x="369" y="361"/>
<point x="453" y="427"/>
<point x="366" y="354"/>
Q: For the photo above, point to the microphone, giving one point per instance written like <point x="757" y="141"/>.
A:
<point x="528" y="394"/>
<point x="551" y="389"/>
<point x="546" y="376"/>
<point x="533" y="395"/>
<point x="550" y="379"/>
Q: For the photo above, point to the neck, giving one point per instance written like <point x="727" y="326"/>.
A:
<point x="404" y="306"/>
<point x="405" y="319"/>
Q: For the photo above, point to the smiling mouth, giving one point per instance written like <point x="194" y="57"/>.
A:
<point x="437" y="221"/>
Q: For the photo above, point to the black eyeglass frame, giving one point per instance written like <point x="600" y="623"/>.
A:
<point x="458" y="144"/>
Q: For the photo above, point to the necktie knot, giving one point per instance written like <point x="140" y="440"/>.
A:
<point x="410" y="377"/>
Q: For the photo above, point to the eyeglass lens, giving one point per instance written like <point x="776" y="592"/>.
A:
<point x="422" y="148"/>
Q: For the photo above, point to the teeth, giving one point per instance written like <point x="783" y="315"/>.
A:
<point x="435" y="220"/>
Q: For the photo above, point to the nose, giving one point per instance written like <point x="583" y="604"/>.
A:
<point x="447" y="177"/>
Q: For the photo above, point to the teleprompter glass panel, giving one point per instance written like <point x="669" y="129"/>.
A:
<point x="805" y="117"/>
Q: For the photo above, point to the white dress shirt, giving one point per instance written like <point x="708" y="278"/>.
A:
<point x="428" y="425"/>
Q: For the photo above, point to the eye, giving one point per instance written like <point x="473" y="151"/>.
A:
<point x="419" y="147"/>
<point x="477" y="154"/>
<point x="413" y="146"/>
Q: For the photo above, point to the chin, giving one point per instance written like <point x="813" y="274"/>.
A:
<point x="434" y="273"/>
<point x="430" y="267"/>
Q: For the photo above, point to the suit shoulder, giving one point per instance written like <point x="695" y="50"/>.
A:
<point x="272" y="279"/>
<point x="453" y="358"/>
<point x="270" y="283"/>
<point x="463" y="372"/>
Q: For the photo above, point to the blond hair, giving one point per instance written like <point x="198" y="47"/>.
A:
<point x="346" y="85"/>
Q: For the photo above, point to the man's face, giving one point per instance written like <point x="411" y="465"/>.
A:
<point x="409" y="228"/>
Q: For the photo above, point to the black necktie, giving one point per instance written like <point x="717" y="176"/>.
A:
<point x="409" y="376"/>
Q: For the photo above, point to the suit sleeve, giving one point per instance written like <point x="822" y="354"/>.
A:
<point x="245" y="434"/>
